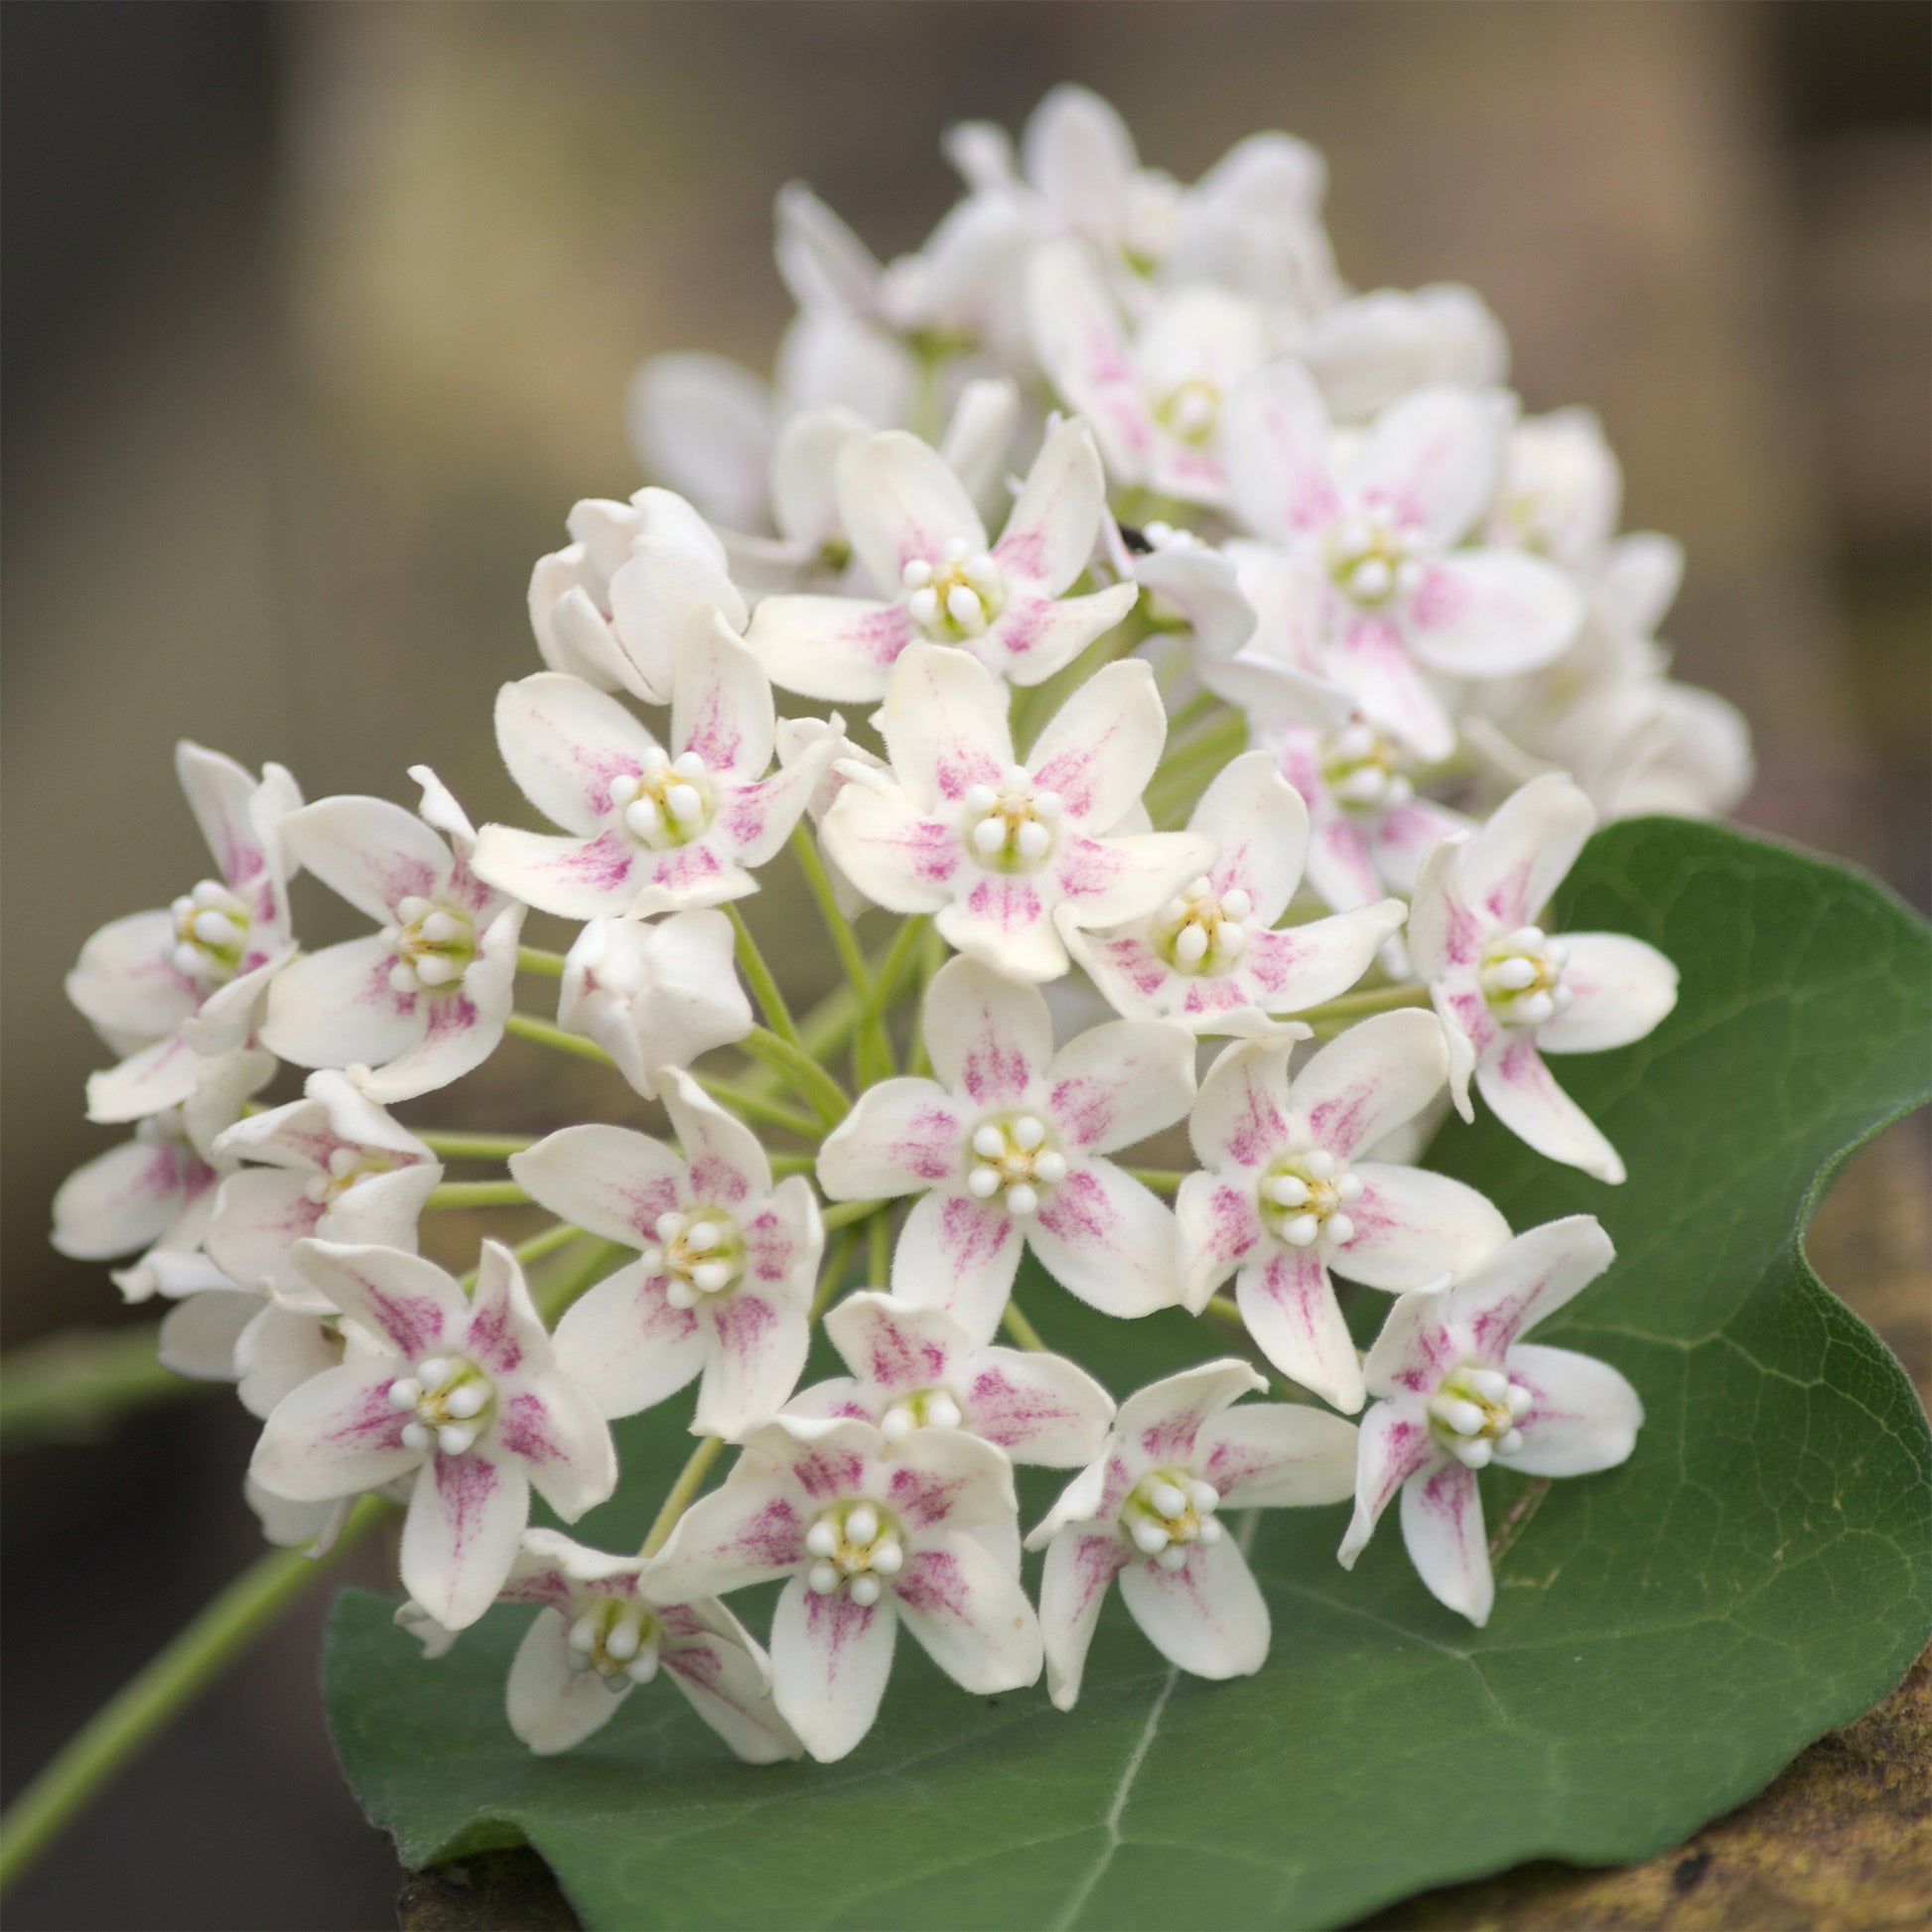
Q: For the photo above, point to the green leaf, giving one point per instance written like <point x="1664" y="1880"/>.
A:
<point x="1666" y="1636"/>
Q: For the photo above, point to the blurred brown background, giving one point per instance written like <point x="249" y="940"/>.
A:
<point x="317" y="317"/>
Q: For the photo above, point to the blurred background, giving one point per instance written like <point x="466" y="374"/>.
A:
<point x="317" y="318"/>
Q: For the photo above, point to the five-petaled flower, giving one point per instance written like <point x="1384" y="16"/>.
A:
<point x="465" y="1400"/>
<point x="599" y="1634"/>
<point x="1008" y="1145"/>
<point x="1145" y="1510"/>
<point x="1508" y="992"/>
<point x="1211" y="959"/>
<point x="723" y="1284"/>
<point x="1011" y="854"/>
<point x="914" y="527"/>
<point x="1455" y="1390"/>
<point x="648" y="829"/>
<point x="871" y="1533"/>
<point x="1286" y="1193"/>
<point x="424" y="1000"/>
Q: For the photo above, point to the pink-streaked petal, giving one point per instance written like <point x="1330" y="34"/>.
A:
<point x="577" y="879"/>
<point x="1099" y="749"/>
<point x="462" y="1024"/>
<point x="336" y="1008"/>
<point x="1582" y="1417"/>
<point x="626" y="1345"/>
<point x="1523" y="1094"/>
<point x="1289" y="1305"/>
<point x="1277" y="1454"/>
<point x="721" y="705"/>
<point x="1371" y="659"/>
<point x="123" y="1199"/>
<point x="726" y="1679"/>
<point x="1395" y="1442"/>
<point x="199" y="1335"/>
<point x="1417" y="1345"/>
<point x="1432" y="461"/>
<point x="944" y="722"/>
<point x="1402" y="835"/>
<point x="837" y="649"/>
<point x="374" y="854"/>
<point x="564" y="744"/>
<point x="1162" y="1423"/>
<point x="259" y="1214"/>
<point x="1078" y="340"/>
<point x="970" y="1616"/>
<point x="1241" y="1117"/>
<point x="1218" y="1227"/>
<point x="1527" y="1281"/>
<point x="1005" y="921"/>
<point x="899" y="501"/>
<point x="148" y="1082"/>
<point x="609" y="1180"/>
<point x="1118" y="1083"/>
<point x="550" y="1706"/>
<point x="1413" y="1228"/>
<point x="1207" y="1617"/>
<point x="1513" y="864"/>
<point x="746" y="1531"/>
<point x="1381" y="1072"/>
<point x="1619" y="988"/>
<point x="504" y="1334"/>
<point x="1446" y="929"/>
<point x="1108" y="1239"/>
<point x="1260" y="827"/>
<point x="1469" y="1028"/>
<point x="460" y="1537"/>
<point x="408" y="1300"/>
<point x="727" y="1162"/>
<point x="1040" y="1409"/>
<point x="1051" y="534"/>
<point x="756" y="1355"/>
<point x="1441" y="1524"/>
<point x="891" y="851"/>
<point x="127" y="982"/>
<point x="1080" y="1564"/>
<point x="1034" y="637"/>
<point x="1278" y="455"/>
<point x="1305" y="965"/>
<point x="958" y="1253"/>
<point x="1340" y="868"/>
<point x="1492" y="614"/>
<point x="830" y="1660"/>
<point x="893" y="1349"/>
<point x="902" y="1136"/>
<point x="335" y="1435"/>
<point x="1108" y="882"/>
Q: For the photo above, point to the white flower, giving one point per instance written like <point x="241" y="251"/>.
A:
<point x="870" y="1534"/>
<point x="1211" y="959"/>
<point x="1560" y="492"/>
<point x="1007" y="1145"/>
<point x="157" y="1191"/>
<point x="599" y="1634"/>
<point x="654" y="993"/>
<point x="335" y="1167"/>
<point x="702" y="424"/>
<point x="915" y="529"/>
<point x="638" y="579"/>
<point x="1374" y="349"/>
<point x="172" y="990"/>
<point x="462" y="1397"/>
<point x="1382" y="524"/>
<point x="650" y="830"/>
<point x="1158" y="400"/>
<point x="1004" y="852"/>
<point x="917" y="1368"/>
<point x="1508" y="992"/>
<point x="724" y="1283"/>
<point x="423" y="1000"/>
<point x="1286" y="1196"/>
<point x="1147" y="1511"/>
<point x="797" y="735"/>
<point x="1455" y="1390"/>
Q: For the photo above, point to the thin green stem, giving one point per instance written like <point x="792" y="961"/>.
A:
<point x="690" y="1479"/>
<point x="526" y="1025"/>
<point x="845" y="941"/>
<point x="828" y="1100"/>
<point x="879" y="1250"/>
<point x="533" y="959"/>
<point x="572" y="1282"/>
<point x="848" y="1211"/>
<point x="838" y="1260"/>
<point x="477" y="1193"/>
<point x="764" y="986"/>
<point x="72" y="1385"/>
<point x="790" y="1163"/>
<point x="1021" y="1331"/>
<point x="559" y="1234"/>
<point x="1204" y="704"/>
<point x="474" y="1147"/>
<point x="899" y="956"/>
<point x="1163" y="1181"/>
<point x="755" y="1106"/>
<point x="219" y="1634"/>
<point x="1185" y="772"/>
<point x="1357" y="1006"/>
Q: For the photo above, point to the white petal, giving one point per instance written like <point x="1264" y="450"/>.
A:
<point x="564" y="742"/>
<point x="1240" y="1121"/>
<point x="1277" y="442"/>
<point x="1119" y="1083"/>
<point x="577" y="879"/>
<point x="1260" y="827"/>
<point x="1042" y="1410"/>
<point x="1079" y="154"/>
<point x="1513" y="864"/>
<point x="750" y="1531"/>
<point x="1289" y="1305"/>
<point x="902" y="1136"/>
<point x="1006" y="922"/>
<point x="1372" y="660"/>
<point x="944" y="722"/>
<point x="1108" y="882"/>
<point x="1492" y="614"/>
<point x="1362" y="1087"/>
<point x="1034" y="637"/>
<point x="1077" y="337"/>
<point x="900" y="502"/>
<point x="714" y="1660"/>
<point x="1523" y="1096"/>
<point x="1277" y="1454"/>
<point x="1051" y="534"/>
<point x="1209" y="1616"/>
<point x="259" y="1216"/>
<point x="839" y="649"/>
<point x="1306" y="965"/>
<point x="830" y="1660"/>
<point x="336" y="1435"/>
<point x="803" y="504"/>
<point x="1441" y="1524"/>
<point x="979" y="435"/>
<point x="702" y="424"/>
<point x="1395" y="1442"/>
<point x="1080" y="1564"/>
<point x="460" y="1537"/>
<point x="958" y="1253"/>
<point x="127" y="981"/>
<point x="1218" y="1226"/>
<point x="336" y="1008"/>
<point x="1582" y="1417"/>
<point x="1099" y="749"/>
<point x="147" y="1083"/>
<point x="668" y="594"/>
<point x="121" y="1201"/>
<point x="374" y="854"/>
<point x="757" y="1356"/>
<point x="626" y="1345"/>
<point x="556" y="1431"/>
<point x="410" y="1302"/>
<point x="896" y="855"/>
<point x="721" y="705"/>
<point x="462" y="1024"/>
<point x="608" y="1179"/>
<point x="1434" y="460"/>
<point x="1109" y="1240"/>
<point x="240" y="818"/>
<point x="970" y="1616"/>
<point x="1414" y="1227"/>
<point x="892" y="1349"/>
<point x="1527" y="1281"/>
<point x="1621" y="989"/>
<point x="199" y="1335"/>
<point x="550" y="1706"/>
<point x="278" y="1351"/>
<point x="1162" y="1422"/>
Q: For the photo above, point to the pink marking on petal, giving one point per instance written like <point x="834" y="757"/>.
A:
<point x="1233" y="1226"/>
<point x="715" y="1179"/>
<point x="491" y="1342"/>
<point x="1078" y="1210"/>
<point x="917" y="1498"/>
<point x="524" y="1428"/>
<point x="414" y="1323"/>
<point x="769" y="1248"/>
<point x="972" y="1233"/>
<point x="933" y="1583"/>
<point x="713" y="734"/>
<point x="1097" y="1560"/>
<point x="900" y="1358"/>
<point x="824" y="1470"/>
<point x="463" y="1487"/>
<point x="1442" y="598"/>
<point x="697" y="1663"/>
<point x="1011" y="905"/>
<point x="742" y="1323"/>
<point x="1137" y="962"/>
<point x="644" y="1200"/>
<point x="375" y="1424"/>
<point x="686" y="866"/>
<point x="549" y="1586"/>
<point x="834" y="1624"/>
<point x="1024" y="552"/>
<point x="774" y="1538"/>
<point x="604" y="863"/>
<point x="1000" y="1413"/>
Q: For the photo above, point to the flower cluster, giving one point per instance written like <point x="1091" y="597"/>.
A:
<point x="1221" y="796"/>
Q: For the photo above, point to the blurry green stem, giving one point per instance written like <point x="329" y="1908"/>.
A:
<point x="1021" y="1331"/>
<point x="477" y="1193"/>
<point x="829" y="1101"/>
<point x="526" y="1025"/>
<point x="74" y="1383"/>
<point x="533" y="959"/>
<point x="764" y="986"/>
<point x="844" y="941"/>
<point x="1163" y="1181"/>
<point x="690" y="1479"/>
<point x="473" y="1146"/>
<point x="1357" y="1006"/>
<point x="846" y="1212"/>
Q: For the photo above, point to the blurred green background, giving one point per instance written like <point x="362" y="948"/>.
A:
<point x="317" y="317"/>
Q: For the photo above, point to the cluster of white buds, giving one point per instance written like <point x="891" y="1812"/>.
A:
<point x="210" y="931"/>
<point x="668" y="801"/>
<point x="1168" y="1512"/>
<point x="1013" y="824"/>
<point x="1307" y="1190"/>
<point x="699" y="1254"/>
<point x="443" y="1399"/>
<point x="954" y="594"/>
<point x="1522" y="977"/>
<point x="856" y="1550"/>
<point x="1478" y="1410"/>
<point x="1014" y="1160"/>
<point x="434" y="945"/>
<point x="618" y="1638"/>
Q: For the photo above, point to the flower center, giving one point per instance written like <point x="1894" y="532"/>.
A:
<point x="1016" y="1159"/>
<point x="1205" y="931"/>
<point x="1301" y="1198"/>
<point x="1521" y="977"/>
<point x="1168" y="1511"/>
<point x="616" y="1637"/>
<point x="434" y="945"/>
<point x="447" y="1398"/>
<point x="1013" y="828"/>
<point x="954" y="596"/>
<point x="211" y="927"/>
<point x="1369" y="559"/>
<point x="702" y="1253"/>
<point x="855" y="1548"/>
<point x="1475" y="1412"/>
<point x="669" y="801"/>
<point x="922" y="1409"/>
<point x="1362" y="769"/>
<point x="347" y="1166"/>
<point x="1191" y="410"/>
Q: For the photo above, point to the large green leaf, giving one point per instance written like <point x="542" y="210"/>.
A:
<point x="1665" y="1636"/>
